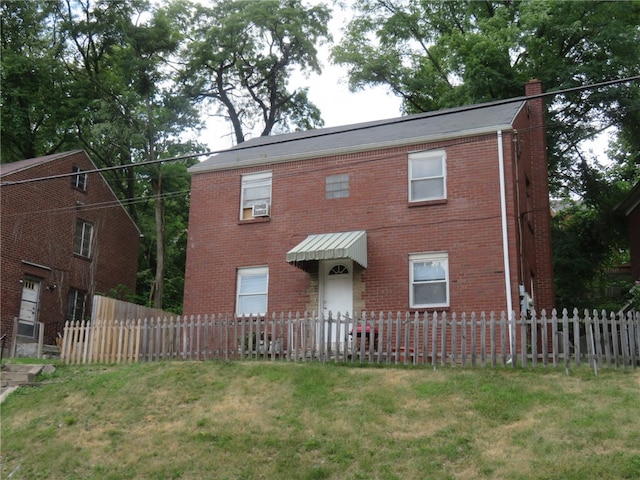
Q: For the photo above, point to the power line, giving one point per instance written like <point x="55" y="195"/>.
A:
<point x="84" y="207"/>
<point x="320" y="133"/>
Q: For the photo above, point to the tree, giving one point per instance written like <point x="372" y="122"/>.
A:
<point x="95" y="75"/>
<point x="240" y="55"/>
<point x="442" y="54"/>
<point x="135" y="115"/>
<point x="36" y="108"/>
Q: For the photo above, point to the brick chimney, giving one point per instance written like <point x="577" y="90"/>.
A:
<point x="544" y="288"/>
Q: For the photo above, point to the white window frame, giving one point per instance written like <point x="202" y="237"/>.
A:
<point x="247" y="272"/>
<point x="83" y="233"/>
<point x="79" y="180"/>
<point x="427" y="156"/>
<point x="414" y="258"/>
<point x="253" y="180"/>
<point x="76" y="305"/>
<point x="337" y="186"/>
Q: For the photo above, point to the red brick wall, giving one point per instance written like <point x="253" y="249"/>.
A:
<point x="535" y="158"/>
<point x="467" y="226"/>
<point x="38" y="223"/>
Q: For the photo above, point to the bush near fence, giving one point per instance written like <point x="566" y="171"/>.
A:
<point x="435" y="339"/>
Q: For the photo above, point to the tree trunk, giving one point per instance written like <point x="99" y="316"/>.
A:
<point x="158" y="289"/>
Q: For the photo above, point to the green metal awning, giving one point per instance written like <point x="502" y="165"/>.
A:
<point x="330" y="246"/>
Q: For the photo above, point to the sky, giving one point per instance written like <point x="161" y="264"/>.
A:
<point x="329" y="92"/>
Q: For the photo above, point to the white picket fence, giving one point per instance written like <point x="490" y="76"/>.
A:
<point x="434" y="339"/>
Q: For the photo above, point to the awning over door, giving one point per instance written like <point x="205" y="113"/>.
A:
<point x="330" y="246"/>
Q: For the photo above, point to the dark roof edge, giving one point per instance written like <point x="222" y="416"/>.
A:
<point x="199" y="168"/>
<point x="33" y="162"/>
<point x="28" y="163"/>
<point x="630" y="202"/>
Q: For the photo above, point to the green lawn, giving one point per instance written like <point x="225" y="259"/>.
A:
<point x="256" y="420"/>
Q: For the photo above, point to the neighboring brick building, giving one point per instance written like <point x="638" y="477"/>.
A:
<point x="445" y="210"/>
<point x="63" y="239"/>
<point x="630" y="207"/>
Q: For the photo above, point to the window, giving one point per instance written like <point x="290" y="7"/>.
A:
<point x="429" y="280"/>
<point x="252" y="291"/>
<point x="427" y="176"/>
<point x="82" y="239"/>
<point x="339" y="270"/>
<point x="337" y="186"/>
<point x="76" y="305"/>
<point x="256" y="189"/>
<point x="79" y="180"/>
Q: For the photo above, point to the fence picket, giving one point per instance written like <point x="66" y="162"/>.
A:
<point x="634" y="322"/>
<point x="554" y="337"/>
<point x="565" y="337"/>
<point x="492" y="329"/>
<point x="443" y="344"/>
<point x="483" y="340"/>
<point x="624" y="331"/>
<point x="534" y="340"/>
<point x="545" y="341"/>
<point x="606" y="322"/>
<point x="474" y="333"/>
<point x="503" y="338"/>
<point x="576" y="338"/>
<point x="598" y="339"/>
<point x="454" y="340"/>
<point x="463" y="349"/>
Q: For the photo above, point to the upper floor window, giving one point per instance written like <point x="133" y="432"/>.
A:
<point x="251" y="297"/>
<point x="337" y="186"/>
<point x="427" y="175"/>
<point x="429" y="280"/>
<point x="76" y="305"/>
<point x="256" y="192"/>
<point x="79" y="180"/>
<point x="82" y="239"/>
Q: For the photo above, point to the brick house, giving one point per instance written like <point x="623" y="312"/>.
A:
<point x="440" y="211"/>
<point x="64" y="237"/>
<point x="630" y="207"/>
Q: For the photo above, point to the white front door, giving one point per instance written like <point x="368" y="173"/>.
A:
<point x="336" y="295"/>
<point x="29" y="308"/>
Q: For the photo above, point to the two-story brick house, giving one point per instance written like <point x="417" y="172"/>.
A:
<point x="441" y="211"/>
<point x="64" y="237"/>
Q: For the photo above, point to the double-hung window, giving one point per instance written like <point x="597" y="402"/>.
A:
<point x="427" y="176"/>
<point x="82" y="239"/>
<point x="256" y="190"/>
<point x="251" y="296"/>
<point x="429" y="280"/>
<point x="76" y="305"/>
<point x="79" y="180"/>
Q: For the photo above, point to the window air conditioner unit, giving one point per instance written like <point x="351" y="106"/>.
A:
<point x="260" y="210"/>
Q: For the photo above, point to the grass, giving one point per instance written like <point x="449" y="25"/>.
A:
<point x="309" y="421"/>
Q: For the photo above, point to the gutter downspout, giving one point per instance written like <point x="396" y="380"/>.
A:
<point x="505" y="238"/>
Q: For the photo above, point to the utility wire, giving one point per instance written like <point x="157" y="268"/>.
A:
<point x="84" y="207"/>
<point x="356" y="127"/>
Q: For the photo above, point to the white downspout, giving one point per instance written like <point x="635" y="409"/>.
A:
<point x="505" y="237"/>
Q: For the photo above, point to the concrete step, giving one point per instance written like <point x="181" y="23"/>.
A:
<point x="14" y="375"/>
<point x="19" y="374"/>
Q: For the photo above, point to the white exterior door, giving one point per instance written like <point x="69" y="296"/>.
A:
<point x="29" y="308"/>
<point x="336" y="295"/>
